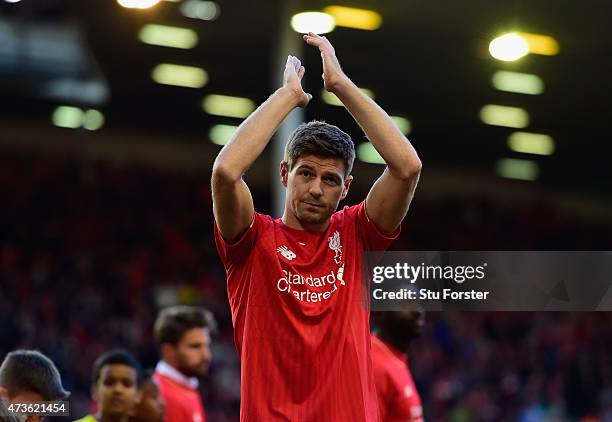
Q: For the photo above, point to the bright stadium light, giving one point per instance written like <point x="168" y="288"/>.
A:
<point x="521" y="83"/>
<point x="67" y="117"/>
<point x="317" y="22"/>
<point x="198" y="9"/>
<point x="512" y="168"/>
<point x="177" y="75"/>
<point x="509" y="47"/>
<point x="221" y="134"/>
<point x="540" y="44"/>
<point x="12" y="1"/>
<point x="531" y="143"/>
<point x="368" y="154"/>
<point x="331" y="99"/>
<point x="168" y="36"/>
<point x="225" y="105"/>
<point x="138" y="4"/>
<point x="498" y="115"/>
<point x="351" y="17"/>
<point x="402" y="123"/>
<point x="93" y="120"/>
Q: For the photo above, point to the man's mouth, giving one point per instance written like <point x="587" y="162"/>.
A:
<point x="313" y="204"/>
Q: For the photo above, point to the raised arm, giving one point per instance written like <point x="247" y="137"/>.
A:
<point x="232" y="200"/>
<point x="390" y="196"/>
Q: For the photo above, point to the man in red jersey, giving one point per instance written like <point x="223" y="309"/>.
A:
<point x="398" y="398"/>
<point x="294" y="283"/>
<point x="183" y="335"/>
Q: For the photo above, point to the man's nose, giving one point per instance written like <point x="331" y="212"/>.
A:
<point x="315" y="188"/>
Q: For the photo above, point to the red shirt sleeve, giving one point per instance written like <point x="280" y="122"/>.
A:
<point x="234" y="253"/>
<point x="373" y="239"/>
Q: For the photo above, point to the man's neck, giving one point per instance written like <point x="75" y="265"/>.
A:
<point x="102" y="417"/>
<point x="291" y="221"/>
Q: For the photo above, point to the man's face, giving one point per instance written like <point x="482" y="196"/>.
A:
<point x="116" y="391"/>
<point x="193" y="353"/>
<point x="151" y="406"/>
<point x="315" y="186"/>
<point x="409" y="321"/>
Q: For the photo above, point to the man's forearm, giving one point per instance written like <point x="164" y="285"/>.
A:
<point x="252" y="136"/>
<point x="391" y="144"/>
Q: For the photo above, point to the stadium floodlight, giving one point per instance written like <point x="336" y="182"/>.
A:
<point x="225" y="105"/>
<point x="93" y="119"/>
<point x="531" y="143"/>
<point x="512" y="168"/>
<point x="177" y="75"/>
<point x="402" y="123"/>
<point x="221" y="134"/>
<point x="168" y="36"/>
<point x="368" y="154"/>
<point x="351" y="17"/>
<point x="138" y="4"/>
<point x="540" y="44"/>
<point x="67" y="117"/>
<point x="198" y="9"/>
<point x="521" y="83"/>
<point x="498" y="115"/>
<point x="317" y="22"/>
<point x="331" y="98"/>
<point x="509" y="47"/>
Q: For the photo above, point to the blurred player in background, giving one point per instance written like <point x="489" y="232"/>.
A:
<point x="115" y="381"/>
<point x="183" y="335"/>
<point x="28" y="375"/>
<point x="150" y="408"/>
<point x="398" y="398"/>
<point x="294" y="283"/>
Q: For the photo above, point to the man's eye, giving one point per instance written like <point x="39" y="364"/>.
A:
<point x="331" y="181"/>
<point x="305" y="173"/>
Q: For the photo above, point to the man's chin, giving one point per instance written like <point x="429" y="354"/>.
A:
<point x="312" y="217"/>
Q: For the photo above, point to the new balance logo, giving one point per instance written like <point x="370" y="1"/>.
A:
<point x="286" y="252"/>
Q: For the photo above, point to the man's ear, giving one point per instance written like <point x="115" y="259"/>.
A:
<point x="168" y="353"/>
<point x="284" y="172"/>
<point x="347" y="185"/>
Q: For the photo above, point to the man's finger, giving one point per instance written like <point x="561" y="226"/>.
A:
<point x="301" y="71"/>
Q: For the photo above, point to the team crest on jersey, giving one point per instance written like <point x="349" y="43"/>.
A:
<point x="286" y="252"/>
<point x="336" y="246"/>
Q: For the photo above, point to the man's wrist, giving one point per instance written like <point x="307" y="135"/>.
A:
<point x="289" y="95"/>
<point x="342" y="85"/>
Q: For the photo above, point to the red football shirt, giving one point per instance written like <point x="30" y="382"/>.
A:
<point x="300" y="324"/>
<point x="181" y="398"/>
<point x="398" y="399"/>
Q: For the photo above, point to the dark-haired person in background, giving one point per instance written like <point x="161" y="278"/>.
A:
<point x="398" y="398"/>
<point x="150" y="408"/>
<point x="183" y="335"/>
<point x="294" y="283"/>
<point x="115" y="380"/>
<point x="28" y="375"/>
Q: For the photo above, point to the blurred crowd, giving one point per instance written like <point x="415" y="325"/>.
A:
<point x="89" y="253"/>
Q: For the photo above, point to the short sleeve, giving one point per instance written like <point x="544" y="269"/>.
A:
<point x="373" y="239"/>
<point x="237" y="251"/>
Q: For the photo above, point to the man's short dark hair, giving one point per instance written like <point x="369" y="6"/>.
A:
<point x="31" y="371"/>
<point x="172" y="323"/>
<point x="320" y="139"/>
<point x="115" y="357"/>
